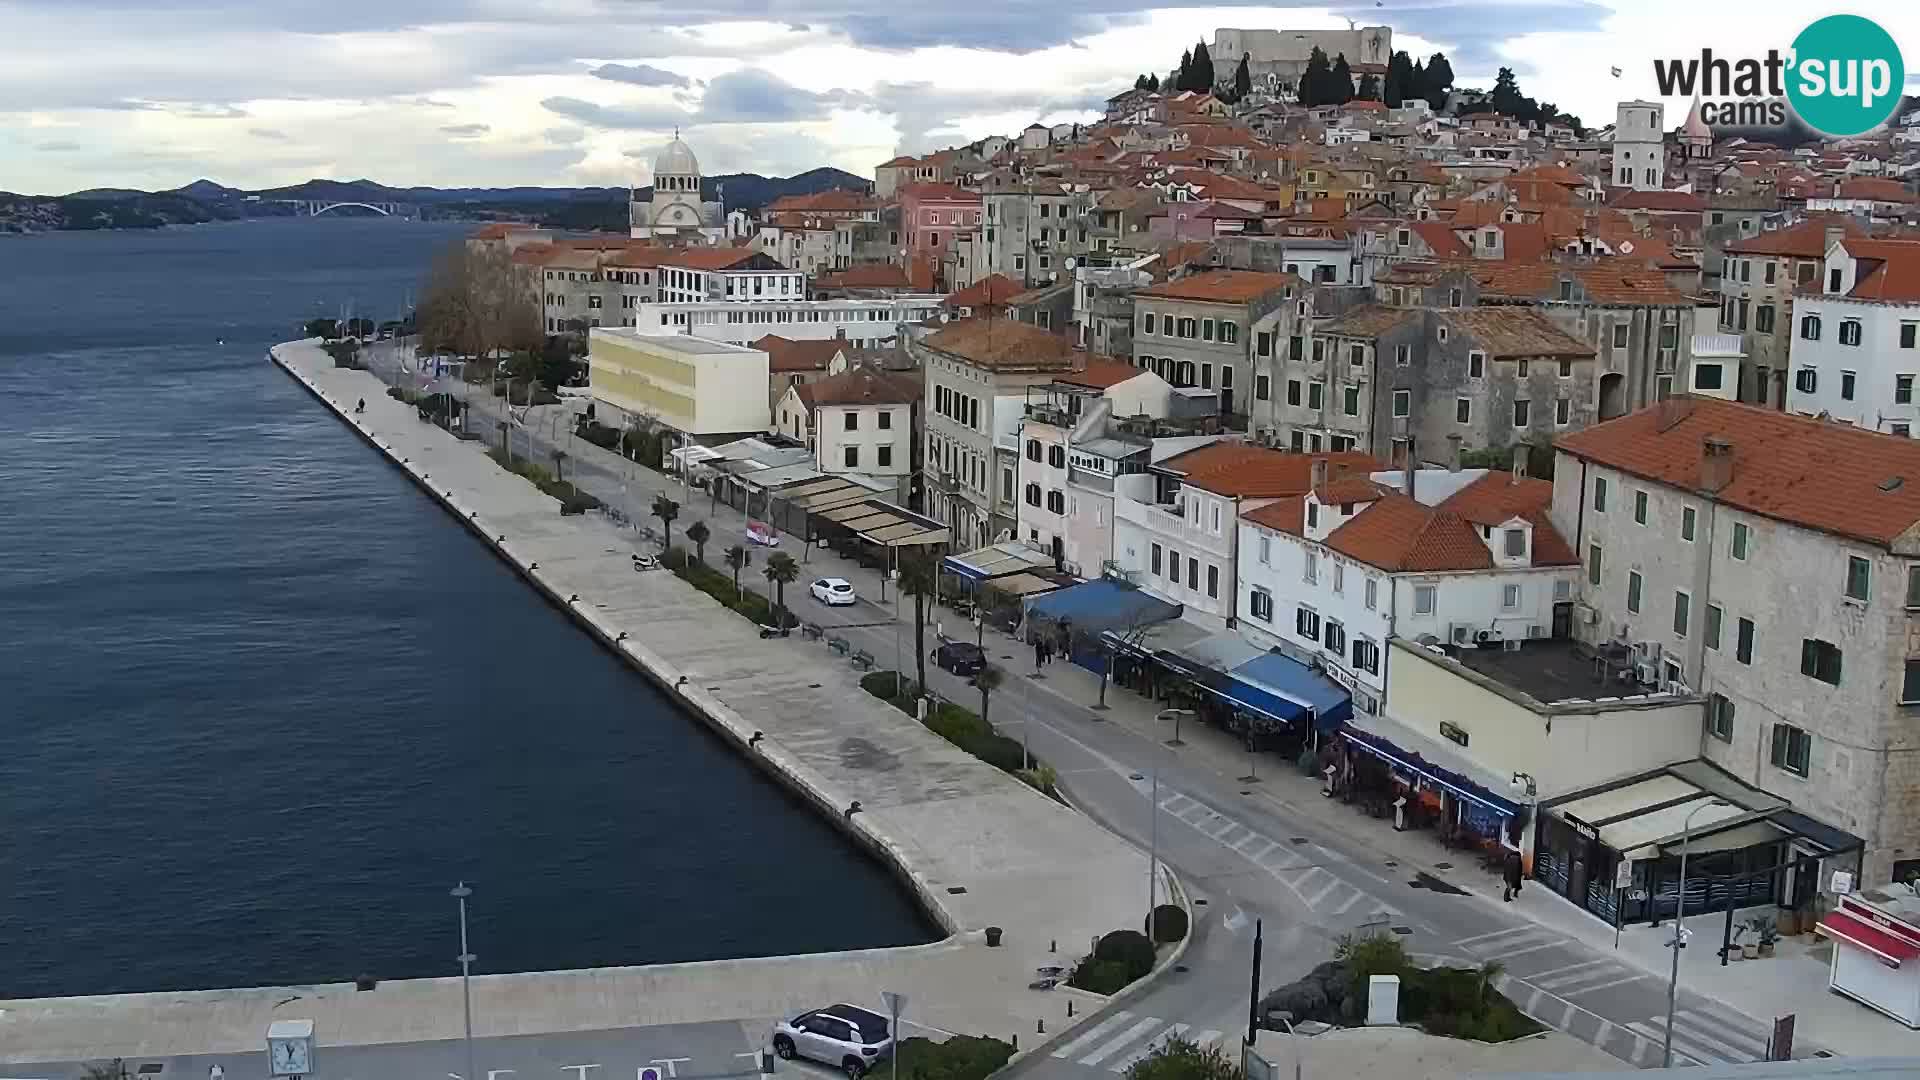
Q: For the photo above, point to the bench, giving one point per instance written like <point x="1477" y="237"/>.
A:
<point x="812" y="631"/>
<point x="862" y="660"/>
<point x="839" y="645"/>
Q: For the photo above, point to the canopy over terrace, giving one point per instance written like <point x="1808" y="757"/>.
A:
<point x="837" y="503"/>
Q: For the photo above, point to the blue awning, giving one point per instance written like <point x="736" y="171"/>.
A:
<point x="1283" y="683"/>
<point x="1435" y="774"/>
<point x="1093" y="606"/>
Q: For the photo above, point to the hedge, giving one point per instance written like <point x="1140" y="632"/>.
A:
<point x="573" y="500"/>
<point x="1169" y="923"/>
<point x="1118" y="959"/>
<point x="959" y="726"/>
<point x="962" y="1057"/>
<point x="720" y="586"/>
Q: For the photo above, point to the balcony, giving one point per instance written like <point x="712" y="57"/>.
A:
<point x="1049" y="413"/>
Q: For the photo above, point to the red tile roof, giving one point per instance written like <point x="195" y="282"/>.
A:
<point x="1662" y="201"/>
<point x="865" y="386"/>
<point x="1895" y="273"/>
<point x="994" y="290"/>
<point x="787" y="356"/>
<point x="1221" y="286"/>
<point x="1400" y="535"/>
<point x="1807" y="240"/>
<point x="1440" y="237"/>
<point x="711" y="258"/>
<point x="864" y="276"/>
<point x="1100" y="374"/>
<point x="1813" y="473"/>
<point x="1255" y="472"/>
<point x="1004" y="345"/>
<point x="1515" y="331"/>
<point x="939" y="193"/>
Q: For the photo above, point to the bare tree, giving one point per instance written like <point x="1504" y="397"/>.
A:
<point x="476" y="302"/>
<point x="1111" y="641"/>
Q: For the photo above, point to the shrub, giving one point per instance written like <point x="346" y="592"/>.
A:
<point x="1178" y="1059"/>
<point x="396" y="393"/>
<point x="962" y="1057"/>
<point x="1099" y="976"/>
<point x="1129" y="947"/>
<point x="578" y="504"/>
<point x="1169" y="923"/>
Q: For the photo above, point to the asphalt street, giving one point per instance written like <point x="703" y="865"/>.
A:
<point x="1241" y="851"/>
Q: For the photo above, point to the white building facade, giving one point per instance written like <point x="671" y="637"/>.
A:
<point x="1639" y="146"/>
<point x="863" y="322"/>
<point x="1856" y="345"/>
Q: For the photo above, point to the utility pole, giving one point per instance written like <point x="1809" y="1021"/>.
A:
<point x="466" y="958"/>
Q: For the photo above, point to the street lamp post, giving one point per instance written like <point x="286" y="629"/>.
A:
<point x="1153" y="852"/>
<point x="1679" y="931"/>
<point x="466" y="958"/>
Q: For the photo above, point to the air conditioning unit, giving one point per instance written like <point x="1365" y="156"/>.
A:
<point x="1676" y="688"/>
<point x="1512" y="644"/>
<point x="1586" y="614"/>
<point x="1646" y="674"/>
<point x="1460" y="634"/>
<point x="1646" y="652"/>
<point x="1489" y="636"/>
<point x="1536" y="631"/>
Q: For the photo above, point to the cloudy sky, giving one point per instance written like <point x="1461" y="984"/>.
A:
<point x="140" y="93"/>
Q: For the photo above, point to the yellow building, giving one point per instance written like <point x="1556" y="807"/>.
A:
<point x="693" y="385"/>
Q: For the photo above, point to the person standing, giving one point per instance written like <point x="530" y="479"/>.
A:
<point x="1513" y="875"/>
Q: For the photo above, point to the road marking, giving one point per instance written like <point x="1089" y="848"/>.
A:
<point x="1300" y="881"/>
<point x="1127" y="1062"/>
<point x="1511" y="931"/>
<point x="1206" y="1038"/>
<point x="1602" y="1033"/>
<point x="1656" y="1034"/>
<point x="1086" y="1038"/>
<point x="1604" y="972"/>
<point x="1108" y="1048"/>
<point x="1351" y="900"/>
<point x="1608" y="985"/>
<point x="1184" y="815"/>
<point x="1554" y="976"/>
<point x="1240" y="846"/>
<point x="1511" y="953"/>
<point x="1748" y="1041"/>
<point x="1221" y="836"/>
<point x="1332" y="884"/>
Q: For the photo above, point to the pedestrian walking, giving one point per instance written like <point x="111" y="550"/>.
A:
<point x="1513" y="876"/>
<point x="1039" y="654"/>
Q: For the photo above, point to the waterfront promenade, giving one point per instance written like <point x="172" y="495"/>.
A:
<point x="979" y="848"/>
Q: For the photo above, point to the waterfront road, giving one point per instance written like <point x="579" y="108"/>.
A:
<point x="1269" y="849"/>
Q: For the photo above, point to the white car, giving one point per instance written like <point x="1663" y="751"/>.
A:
<point x="833" y="591"/>
<point x="846" y="1037"/>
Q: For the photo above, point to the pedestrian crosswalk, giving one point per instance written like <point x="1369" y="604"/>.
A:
<point x="1301" y="866"/>
<point x="1124" y="1039"/>
<point x="1563" y="983"/>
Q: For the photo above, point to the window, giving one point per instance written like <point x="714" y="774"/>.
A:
<point x="1260" y="604"/>
<point x="1033" y="494"/>
<point x="1350" y="401"/>
<point x="1366" y="656"/>
<point x="1006" y="488"/>
<point x="1312" y="571"/>
<point x="1566" y="369"/>
<point x="1848" y="380"/>
<point x="1262" y="387"/>
<point x="1033" y="449"/>
<point x="1739" y="541"/>
<point x="1340" y="574"/>
<point x="1859" y="578"/>
<point x="1057" y="456"/>
<point x="1402" y="355"/>
<point x="1682" y="613"/>
<point x="1599" y="494"/>
<point x="1188" y="327"/>
<point x="1639" y="508"/>
<point x="1441" y="332"/>
<point x="1509" y="597"/>
<point x="853" y="457"/>
<point x="1293" y="391"/>
<point x="1523" y="367"/>
<point x="1746" y="270"/>
<point x="1720" y="718"/>
<point x="1821" y="660"/>
<point x="1266" y="550"/>
<point x="1263" y="343"/>
<point x="1056" y="502"/>
<point x="1373" y="593"/>
<point x="1146" y="326"/>
<point x="1850" y="332"/>
<point x="1316" y="396"/>
<point x="1423" y="599"/>
<point x="1913" y="586"/>
<point x="1910" y="683"/>
<point x="1173" y="566"/>
<point x="1306" y="623"/>
<point x="886" y="456"/>
<point x="853" y="421"/>
<point x="1903" y="389"/>
<point x="1687" y="517"/>
<point x="1810" y="327"/>
<point x="1562" y="411"/>
<point x="1336" y="638"/>
<point x="1633" y="591"/>
<point x="1156" y="560"/>
<point x="1206" y="329"/>
<point x="1520" y="409"/>
<point x="1357" y="355"/>
<point x="1620" y="335"/>
<point x="1792" y="749"/>
<point x="1593" y="564"/>
<point x="1476" y="364"/>
<point x="1763" y="317"/>
<point x="1229" y="332"/>
<point x="1712" y="632"/>
<point x="1462" y="410"/>
<point x="1743" y="641"/>
<point x="1402" y="402"/>
<point x="1516" y="541"/>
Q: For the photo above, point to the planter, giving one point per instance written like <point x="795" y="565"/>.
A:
<point x="1735" y="953"/>
<point x="1750" y="952"/>
<point x="1766" y="948"/>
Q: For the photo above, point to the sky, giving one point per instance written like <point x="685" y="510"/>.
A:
<point x="257" y="93"/>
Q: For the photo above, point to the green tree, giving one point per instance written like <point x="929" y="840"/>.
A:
<point x="987" y="680"/>
<point x="1438" y="80"/>
<point x="1369" y="87"/>
<point x="738" y="558"/>
<point x="1178" y="1059"/>
<point x="919" y="577"/>
<point x="1340" y="82"/>
<point x="1399" y="80"/>
<point x="666" y="510"/>
<point x="1153" y="82"/>
<point x="1416" y="83"/>
<point x="1140" y="83"/>
<point x="1507" y="99"/>
<point x="1185" y="74"/>
<point x="1313" y="82"/>
<point x="1242" y="79"/>
<point x="1202" y="70"/>
<point x="699" y="534"/>
<point x="324" y="329"/>
<point x="781" y="571"/>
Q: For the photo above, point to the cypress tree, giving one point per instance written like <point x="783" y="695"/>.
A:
<point x="1369" y="87"/>
<point x="1313" y="82"/>
<point x="1185" y="75"/>
<point x="1153" y="83"/>
<point x="1416" y="83"/>
<point x="1439" y="80"/>
<point x="1140" y="83"/>
<point x="1340" y="83"/>
<point x="1202" y="69"/>
<point x="1399" y="76"/>
<point x="1242" y="79"/>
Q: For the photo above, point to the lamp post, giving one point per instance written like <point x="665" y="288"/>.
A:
<point x="460" y="893"/>
<point x="1679" y="931"/>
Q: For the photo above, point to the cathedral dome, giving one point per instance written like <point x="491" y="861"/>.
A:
<point x="676" y="160"/>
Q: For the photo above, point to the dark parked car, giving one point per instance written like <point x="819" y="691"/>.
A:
<point x="960" y="657"/>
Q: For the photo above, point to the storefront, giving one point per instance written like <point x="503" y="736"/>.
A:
<point x="1614" y="849"/>
<point x="1102" y="617"/>
<point x="1431" y="786"/>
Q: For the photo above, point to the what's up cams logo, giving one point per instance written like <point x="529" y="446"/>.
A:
<point x="1842" y="76"/>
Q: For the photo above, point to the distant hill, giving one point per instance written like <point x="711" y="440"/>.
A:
<point x="583" y="208"/>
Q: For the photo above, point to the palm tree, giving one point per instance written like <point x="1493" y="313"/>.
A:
<point x="666" y="510"/>
<point x="987" y="680"/>
<point x="781" y="569"/>
<point x="560" y="465"/>
<point x="738" y="557"/>
<point x="698" y="533"/>
<point x="919" y="577"/>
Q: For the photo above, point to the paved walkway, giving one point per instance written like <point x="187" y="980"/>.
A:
<point x="979" y="847"/>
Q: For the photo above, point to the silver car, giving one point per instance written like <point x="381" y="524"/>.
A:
<point x="846" y="1037"/>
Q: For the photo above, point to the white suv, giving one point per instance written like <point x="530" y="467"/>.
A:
<point x="847" y="1037"/>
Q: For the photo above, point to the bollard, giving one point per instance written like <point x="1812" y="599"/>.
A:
<point x="852" y="810"/>
<point x="1040" y="1026"/>
<point x="754" y="740"/>
<point x="1069" y="1007"/>
<point x="1053" y="945"/>
<point x="1016" y="1044"/>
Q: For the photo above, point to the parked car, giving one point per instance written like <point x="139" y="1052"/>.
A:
<point x="847" y="1037"/>
<point x="960" y="657"/>
<point x="833" y="591"/>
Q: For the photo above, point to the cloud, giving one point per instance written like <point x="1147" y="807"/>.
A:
<point x="618" y="117"/>
<point x="192" y="109"/>
<point x="753" y="96"/>
<point x="269" y="133"/>
<point x="638" y="75"/>
<point x="57" y="146"/>
<point x="564" y="136"/>
<point x="466" y="131"/>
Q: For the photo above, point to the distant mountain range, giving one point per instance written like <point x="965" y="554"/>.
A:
<point x="560" y="207"/>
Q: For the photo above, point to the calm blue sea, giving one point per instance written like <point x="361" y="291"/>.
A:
<point x="262" y="704"/>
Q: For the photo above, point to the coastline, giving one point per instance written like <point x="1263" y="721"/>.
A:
<point x="975" y="847"/>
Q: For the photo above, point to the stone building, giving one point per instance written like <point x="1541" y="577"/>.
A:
<point x="1283" y="54"/>
<point x="1200" y="330"/>
<point x="676" y="209"/>
<point x="1758" y="278"/>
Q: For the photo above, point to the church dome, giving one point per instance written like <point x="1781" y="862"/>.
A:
<point x="676" y="160"/>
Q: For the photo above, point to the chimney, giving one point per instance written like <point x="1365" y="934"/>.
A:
<point x="1453" y="453"/>
<point x="1319" y="473"/>
<point x="1409" y="461"/>
<point x="1716" y="463"/>
<point x="1835" y="234"/>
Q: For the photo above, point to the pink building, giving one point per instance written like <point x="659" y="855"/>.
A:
<point x="932" y="215"/>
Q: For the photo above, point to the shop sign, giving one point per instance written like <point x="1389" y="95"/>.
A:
<point x="1339" y="674"/>
<point x="1623" y="875"/>
<point x="1453" y="733"/>
<point x="1591" y="832"/>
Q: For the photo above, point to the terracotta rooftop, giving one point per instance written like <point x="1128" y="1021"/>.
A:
<point x="1440" y="237"/>
<point x="1819" y="475"/>
<point x="1400" y="535"/>
<point x="1515" y="332"/>
<point x="994" y="290"/>
<point x="864" y="276"/>
<point x="1807" y="240"/>
<point x="939" y="193"/>
<point x="866" y="386"/>
<point x="715" y="258"/>
<point x="831" y="200"/>
<point x="1221" y="286"/>
<point x="1663" y="201"/>
<point x="1255" y="472"/>
<point x="1004" y="345"/>
<point x="1099" y="374"/>
<point x="1891" y="270"/>
<point x="1367" y="321"/>
<point x="788" y="356"/>
<point x="1606" y="283"/>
